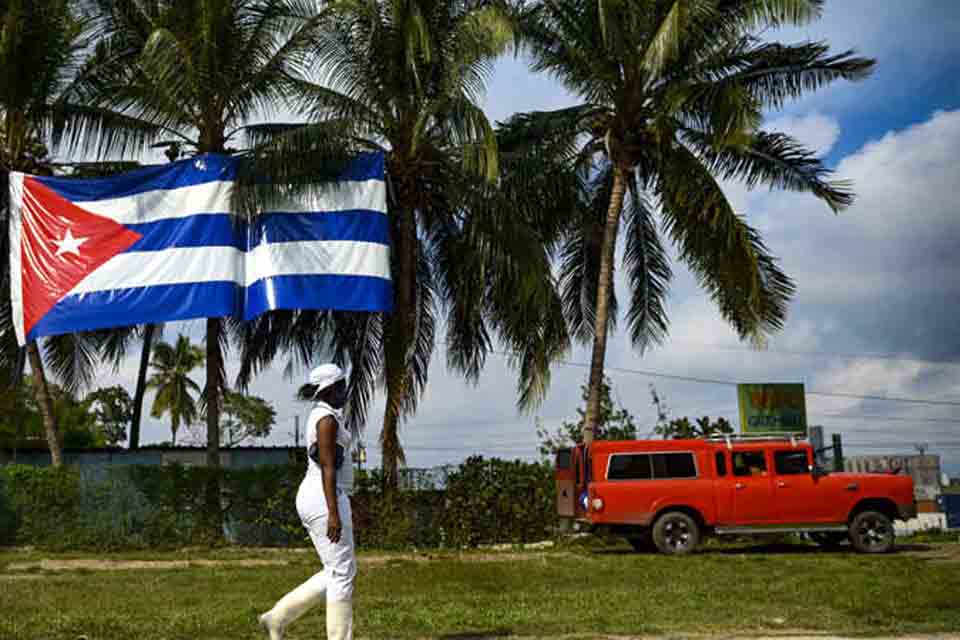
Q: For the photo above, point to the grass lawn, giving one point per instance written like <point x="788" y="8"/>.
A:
<point x="724" y="590"/>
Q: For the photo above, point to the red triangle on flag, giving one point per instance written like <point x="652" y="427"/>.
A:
<point x="60" y="245"/>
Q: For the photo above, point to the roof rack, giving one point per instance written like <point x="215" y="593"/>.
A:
<point x="730" y="438"/>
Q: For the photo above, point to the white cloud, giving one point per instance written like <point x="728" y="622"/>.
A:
<point x="816" y="131"/>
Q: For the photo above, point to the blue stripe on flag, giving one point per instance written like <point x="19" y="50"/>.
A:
<point x="345" y="293"/>
<point x="221" y="230"/>
<point x="366" y="166"/>
<point x="359" y="226"/>
<point x="183" y="173"/>
<point x="140" y="305"/>
<point x="208" y="230"/>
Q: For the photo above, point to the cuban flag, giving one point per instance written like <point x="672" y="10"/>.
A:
<point x="161" y="244"/>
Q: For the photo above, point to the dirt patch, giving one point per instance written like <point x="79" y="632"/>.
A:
<point x="940" y="553"/>
<point x="86" y="564"/>
<point x="97" y="564"/>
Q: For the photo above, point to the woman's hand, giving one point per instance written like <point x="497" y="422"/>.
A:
<point x="334" y="527"/>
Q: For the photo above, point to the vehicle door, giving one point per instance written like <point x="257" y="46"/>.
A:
<point x="751" y="485"/>
<point x="800" y="496"/>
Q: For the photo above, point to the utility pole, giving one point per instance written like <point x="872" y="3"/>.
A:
<point x="296" y="431"/>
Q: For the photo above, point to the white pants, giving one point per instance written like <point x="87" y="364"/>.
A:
<point x="339" y="560"/>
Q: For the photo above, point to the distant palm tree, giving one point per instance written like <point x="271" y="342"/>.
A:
<point x="673" y="96"/>
<point x="44" y="86"/>
<point x="407" y="77"/>
<point x="171" y="380"/>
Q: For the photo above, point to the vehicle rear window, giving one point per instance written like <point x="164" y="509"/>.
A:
<point x="651" y="466"/>
<point x="564" y="458"/>
<point x="749" y="463"/>
<point x="721" y="463"/>
<point x="791" y="463"/>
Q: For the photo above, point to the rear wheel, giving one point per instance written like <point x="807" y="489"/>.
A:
<point x="676" y="533"/>
<point x="829" y="539"/>
<point x="871" y="532"/>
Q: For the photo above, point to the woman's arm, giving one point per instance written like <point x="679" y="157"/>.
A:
<point x="327" y="454"/>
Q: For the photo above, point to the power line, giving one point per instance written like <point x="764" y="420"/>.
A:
<point x="733" y="383"/>
<point x="822" y="354"/>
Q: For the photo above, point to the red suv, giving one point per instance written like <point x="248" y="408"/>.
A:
<point x="674" y="492"/>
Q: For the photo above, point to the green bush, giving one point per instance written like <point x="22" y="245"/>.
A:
<point x="498" y="501"/>
<point x="132" y="507"/>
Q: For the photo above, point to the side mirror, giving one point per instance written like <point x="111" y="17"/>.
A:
<point x="817" y="471"/>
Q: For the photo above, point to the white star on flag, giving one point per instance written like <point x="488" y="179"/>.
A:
<point x="69" y="244"/>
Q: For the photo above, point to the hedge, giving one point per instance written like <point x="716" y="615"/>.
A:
<point x="134" y="507"/>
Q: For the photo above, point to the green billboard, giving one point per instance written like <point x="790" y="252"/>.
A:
<point x="772" y="408"/>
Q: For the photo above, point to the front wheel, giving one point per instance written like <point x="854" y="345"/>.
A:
<point x="871" y="532"/>
<point x="676" y="533"/>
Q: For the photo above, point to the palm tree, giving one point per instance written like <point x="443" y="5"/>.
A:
<point x="201" y="70"/>
<point x="43" y="89"/>
<point x="172" y="365"/>
<point x="406" y="77"/>
<point x="673" y="94"/>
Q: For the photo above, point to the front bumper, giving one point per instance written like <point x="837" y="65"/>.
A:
<point x="907" y="511"/>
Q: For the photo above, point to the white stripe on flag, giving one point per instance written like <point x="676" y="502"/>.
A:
<point x="16" y="274"/>
<point x="226" y="264"/>
<point x="214" y="197"/>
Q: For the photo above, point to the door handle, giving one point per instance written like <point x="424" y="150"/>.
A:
<point x="853" y="486"/>
<point x="740" y="485"/>
<point x="781" y="484"/>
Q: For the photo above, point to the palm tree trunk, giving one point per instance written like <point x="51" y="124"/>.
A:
<point x="604" y="291"/>
<point x="45" y="402"/>
<point x="213" y="391"/>
<point x="399" y="335"/>
<point x="141" y="390"/>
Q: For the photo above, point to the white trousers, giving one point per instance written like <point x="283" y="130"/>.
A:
<point x="339" y="560"/>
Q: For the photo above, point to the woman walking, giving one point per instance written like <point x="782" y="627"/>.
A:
<point x="323" y="504"/>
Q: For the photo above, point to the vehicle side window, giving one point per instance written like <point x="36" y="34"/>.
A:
<point x="749" y="463"/>
<point x="629" y="467"/>
<point x="791" y="463"/>
<point x="721" y="463"/>
<point x="564" y="459"/>
<point x="576" y="468"/>
<point x="651" y="466"/>
<point x="674" y="465"/>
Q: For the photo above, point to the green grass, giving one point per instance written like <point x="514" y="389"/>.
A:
<point x="608" y="590"/>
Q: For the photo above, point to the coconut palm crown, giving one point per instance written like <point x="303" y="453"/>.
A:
<point x="673" y="96"/>
<point x="406" y="77"/>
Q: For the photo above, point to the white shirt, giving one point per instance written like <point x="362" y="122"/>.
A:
<point x="344" y="439"/>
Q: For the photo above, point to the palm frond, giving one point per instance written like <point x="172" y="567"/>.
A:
<point x="73" y="358"/>
<point x="777" y="160"/>
<point x="648" y="273"/>
<point x="726" y="255"/>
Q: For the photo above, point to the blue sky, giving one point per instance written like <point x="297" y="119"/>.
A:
<point x="878" y="286"/>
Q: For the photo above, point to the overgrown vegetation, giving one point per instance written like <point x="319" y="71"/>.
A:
<point x="139" y="507"/>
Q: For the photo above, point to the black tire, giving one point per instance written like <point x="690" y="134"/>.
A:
<point x="676" y="533"/>
<point x="641" y="543"/>
<point x="829" y="539"/>
<point x="871" y="532"/>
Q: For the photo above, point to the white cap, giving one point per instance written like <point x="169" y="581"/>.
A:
<point x="325" y="375"/>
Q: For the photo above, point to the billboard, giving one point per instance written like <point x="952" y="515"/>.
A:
<point x="772" y="408"/>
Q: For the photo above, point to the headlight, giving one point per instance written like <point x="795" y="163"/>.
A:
<point x="598" y="504"/>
